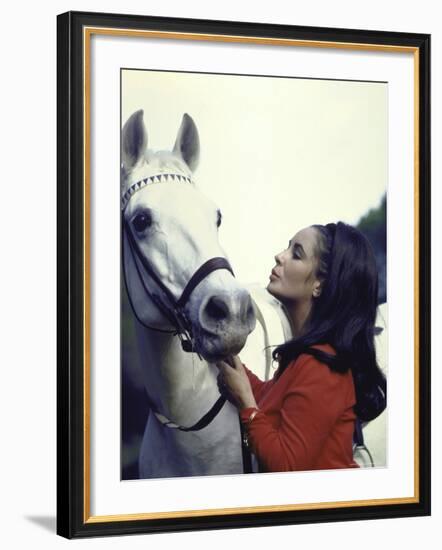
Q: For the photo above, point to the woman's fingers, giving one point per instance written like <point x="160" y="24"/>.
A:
<point x="237" y="362"/>
<point x="227" y="374"/>
<point x="234" y="383"/>
<point x="234" y="362"/>
<point x="222" y="366"/>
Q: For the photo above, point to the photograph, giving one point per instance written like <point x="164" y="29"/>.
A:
<point x="285" y="180"/>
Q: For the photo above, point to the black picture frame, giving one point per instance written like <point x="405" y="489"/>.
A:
<point x="73" y="520"/>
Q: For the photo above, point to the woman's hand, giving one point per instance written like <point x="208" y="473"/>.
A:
<point x="233" y="378"/>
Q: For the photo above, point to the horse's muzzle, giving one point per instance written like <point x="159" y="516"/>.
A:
<point x="225" y="321"/>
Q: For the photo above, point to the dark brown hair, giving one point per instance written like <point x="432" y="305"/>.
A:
<point x="344" y="315"/>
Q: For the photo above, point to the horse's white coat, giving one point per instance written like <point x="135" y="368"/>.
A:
<point x="184" y="389"/>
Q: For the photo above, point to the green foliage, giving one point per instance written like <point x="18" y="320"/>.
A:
<point x="374" y="226"/>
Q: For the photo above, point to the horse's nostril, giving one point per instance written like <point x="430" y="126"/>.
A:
<point x="217" y="309"/>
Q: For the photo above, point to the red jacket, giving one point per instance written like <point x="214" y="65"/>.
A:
<point x="305" y="420"/>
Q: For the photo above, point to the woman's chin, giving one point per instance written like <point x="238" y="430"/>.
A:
<point x="272" y="289"/>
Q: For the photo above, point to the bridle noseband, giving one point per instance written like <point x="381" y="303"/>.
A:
<point x="174" y="310"/>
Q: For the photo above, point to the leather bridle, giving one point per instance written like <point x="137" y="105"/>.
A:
<point x="172" y="308"/>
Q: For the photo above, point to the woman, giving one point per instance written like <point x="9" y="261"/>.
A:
<point x="304" y="417"/>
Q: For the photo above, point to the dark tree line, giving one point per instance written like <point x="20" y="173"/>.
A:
<point x="374" y="226"/>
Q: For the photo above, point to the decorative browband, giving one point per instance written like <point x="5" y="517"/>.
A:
<point x="158" y="178"/>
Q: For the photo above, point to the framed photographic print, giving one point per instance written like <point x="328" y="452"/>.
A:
<point x="243" y="274"/>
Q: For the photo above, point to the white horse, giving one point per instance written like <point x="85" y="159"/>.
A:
<point x="190" y="310"/>
<point x="184" y="296"/>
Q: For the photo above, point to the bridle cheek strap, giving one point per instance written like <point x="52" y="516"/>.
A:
<point x="180" y="321"/>
<point x="201" y="273"/>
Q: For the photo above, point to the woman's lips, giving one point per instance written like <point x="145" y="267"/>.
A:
<point x="273" y="275"/>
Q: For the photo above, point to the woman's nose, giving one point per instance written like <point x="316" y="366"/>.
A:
<point x="278" y="258"/>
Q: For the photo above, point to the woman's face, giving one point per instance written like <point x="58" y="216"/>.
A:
<point x="293" y="279"/>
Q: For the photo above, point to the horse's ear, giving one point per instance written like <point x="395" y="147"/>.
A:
<point x="187" y="144"/>
<point x="134" y="140"/>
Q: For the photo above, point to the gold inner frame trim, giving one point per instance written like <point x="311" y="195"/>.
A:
<point x="242" y="510"/>
<point x="246" y="39"/>
<point x="87" y="34"/>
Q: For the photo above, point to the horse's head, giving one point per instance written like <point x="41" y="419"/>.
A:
<point x="170" y="231"/>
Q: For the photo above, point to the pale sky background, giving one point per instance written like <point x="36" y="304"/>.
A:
<point x="277" y="154"/>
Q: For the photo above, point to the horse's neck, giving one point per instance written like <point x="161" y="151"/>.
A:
<point x="181" y="386"/>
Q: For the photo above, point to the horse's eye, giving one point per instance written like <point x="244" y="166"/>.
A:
<point x="142" y="222"/>
<point x="218" y="218"/>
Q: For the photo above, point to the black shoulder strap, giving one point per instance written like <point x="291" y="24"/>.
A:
<point x="358" y="436"/>
<point x="246" y="455"/>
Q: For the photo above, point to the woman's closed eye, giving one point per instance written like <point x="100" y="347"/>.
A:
<point x="295" y="251"/>
<point x="298" y="251"/>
